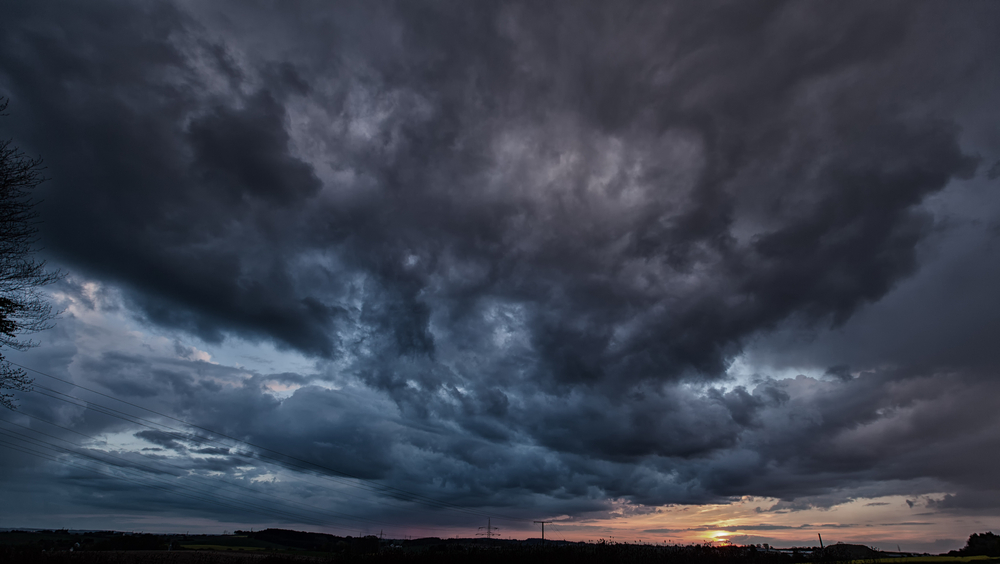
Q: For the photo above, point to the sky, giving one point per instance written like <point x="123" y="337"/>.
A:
<point x="668" y="271"/>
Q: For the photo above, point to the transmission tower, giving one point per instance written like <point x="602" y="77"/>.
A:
<point x="489" y="530"/>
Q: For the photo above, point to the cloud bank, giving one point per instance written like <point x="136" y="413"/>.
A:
<point x="567" y="254"/>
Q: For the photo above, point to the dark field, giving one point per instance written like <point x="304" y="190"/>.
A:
<point x="276" y="546"/>
<point x="444" y="554"/>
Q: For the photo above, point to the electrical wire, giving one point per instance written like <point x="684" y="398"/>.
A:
<point x="180" y="435"/>
<point x="302" y="464"/>
<point x="171" y="489"/>
<point x="211" y="485"/>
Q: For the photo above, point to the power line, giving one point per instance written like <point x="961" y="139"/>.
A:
<point x="365" y="483"/>
<point x="178" y="434"/>
<point x="253" y="491"/>
<point x="181" y="435"/>
<point x="172" y="489"/>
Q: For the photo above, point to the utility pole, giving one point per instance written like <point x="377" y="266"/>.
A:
<point x="820" y="541"/>
<point x="543" y="529"/>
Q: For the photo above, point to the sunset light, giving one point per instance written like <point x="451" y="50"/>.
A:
<point x="715" y="281"/>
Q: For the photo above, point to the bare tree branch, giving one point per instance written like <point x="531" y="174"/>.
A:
<point x="23" y="307"/>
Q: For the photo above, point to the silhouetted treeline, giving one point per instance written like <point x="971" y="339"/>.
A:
<point x="985" y="544"/>
<point x="61" y="540"/>
<point x="315" y="542"/>
<point x="328" y="548"/>
<point x="280" y="546"/>
<point x="583" y="553"/>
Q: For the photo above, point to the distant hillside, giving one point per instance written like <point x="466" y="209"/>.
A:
<point x="848" y="552"/>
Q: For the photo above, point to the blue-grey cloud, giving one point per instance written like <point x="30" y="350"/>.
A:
<point x="536" y="239"/>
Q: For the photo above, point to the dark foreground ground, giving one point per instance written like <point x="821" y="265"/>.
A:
<point x="549" y="555"/>
<point x="276" y="546"/>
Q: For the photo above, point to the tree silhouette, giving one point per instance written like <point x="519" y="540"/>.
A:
<point x="984" y="544"/>
<point x="23" y="307"/>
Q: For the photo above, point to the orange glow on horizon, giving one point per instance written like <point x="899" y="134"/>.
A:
<point x="881" y="522"/>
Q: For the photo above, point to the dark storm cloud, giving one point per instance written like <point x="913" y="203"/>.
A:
<point x="212" y="219"/>
<point x="244" y="152"/>
<point x="544" y="232"/>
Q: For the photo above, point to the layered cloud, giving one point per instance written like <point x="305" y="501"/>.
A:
<point x="565" y="254"/>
